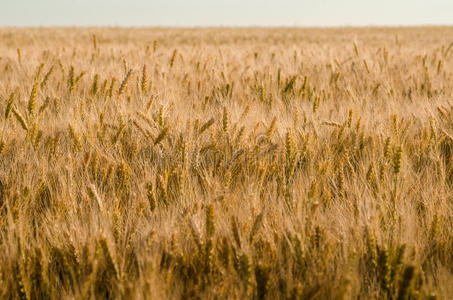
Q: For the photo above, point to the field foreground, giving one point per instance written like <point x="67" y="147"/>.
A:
<point x="226" y="163"/>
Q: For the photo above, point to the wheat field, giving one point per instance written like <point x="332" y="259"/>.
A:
<point x="226" y="163"/>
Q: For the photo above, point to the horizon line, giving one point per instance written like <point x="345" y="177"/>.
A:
<point x="227" y="26"/>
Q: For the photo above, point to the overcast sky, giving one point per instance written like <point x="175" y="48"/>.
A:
<point x="224" y="12"/>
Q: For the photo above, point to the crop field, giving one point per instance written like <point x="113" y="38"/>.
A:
<point x="223" y="163"/>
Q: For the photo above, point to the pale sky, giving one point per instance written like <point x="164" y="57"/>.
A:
<point x="224" y="12"/>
